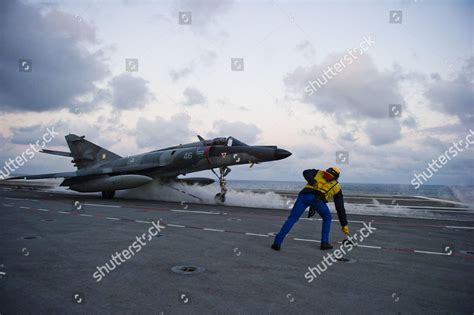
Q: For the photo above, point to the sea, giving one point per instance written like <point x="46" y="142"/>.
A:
<point x="463" y="194"/>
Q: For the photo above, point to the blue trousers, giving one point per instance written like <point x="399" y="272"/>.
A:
<point x="303" y="201"/>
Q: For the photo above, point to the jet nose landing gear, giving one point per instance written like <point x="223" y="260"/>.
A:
<point x="219" y="198"/>
<point x="223" y="172"/>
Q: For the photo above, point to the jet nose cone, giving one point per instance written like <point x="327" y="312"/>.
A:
<point x="281" y="154"/>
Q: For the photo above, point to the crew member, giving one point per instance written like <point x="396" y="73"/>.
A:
<point x="321" y="187"/>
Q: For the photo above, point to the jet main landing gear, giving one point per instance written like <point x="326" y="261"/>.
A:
<point x="223" y="172"/>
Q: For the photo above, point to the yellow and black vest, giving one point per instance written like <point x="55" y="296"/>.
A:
<point x="326" y="188"/>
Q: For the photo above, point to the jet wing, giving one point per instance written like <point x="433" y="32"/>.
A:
<point x="41" y="176"/>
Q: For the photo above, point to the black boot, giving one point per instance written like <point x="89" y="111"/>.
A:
<point x="275" y="246"/>
<point x="325" y="246"/>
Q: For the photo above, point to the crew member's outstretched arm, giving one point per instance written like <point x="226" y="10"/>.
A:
<point x="341" y="211"/>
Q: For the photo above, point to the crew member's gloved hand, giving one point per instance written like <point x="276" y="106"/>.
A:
<point x="345" y="229"/>
<point x="311" y="212"/>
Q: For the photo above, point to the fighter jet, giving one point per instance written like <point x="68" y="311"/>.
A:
<point x="99" y="170"/>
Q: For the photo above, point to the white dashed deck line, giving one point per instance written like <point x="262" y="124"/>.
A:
<point x="306" y="240"/>
<point x="431" y="253"/>
<point x="45" y="210"/>
<point x="139" y="221"/>
<point x="419" y="208"/>
<point x="101" y="205"/>
<point x="112" y="218"/>
<point x="370" y="246"/>
<point x="64" y="212"/>
<point x="176" y="225"/>
<point x="256" y="234"/>
<point x="10" y="198"/>
<point x="85" y="215"/>
<point x="333" y="220"/>
<point x="195" y="211"/>
<point x="316" y="241"/>
<point x="460" y="227"/>
<point x="25" y="208"/>
<point x="391" y="198"/>
<point x="213" y="230"/>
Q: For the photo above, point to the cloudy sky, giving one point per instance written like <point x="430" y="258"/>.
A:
<point x="184" y="83"/>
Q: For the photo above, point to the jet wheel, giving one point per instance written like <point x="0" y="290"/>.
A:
<point x="220" y="198"/>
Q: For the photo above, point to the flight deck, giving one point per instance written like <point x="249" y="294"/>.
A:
<point x="217" y="259"/>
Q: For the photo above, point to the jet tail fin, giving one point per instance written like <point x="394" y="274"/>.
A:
<point x="86" y="153"/>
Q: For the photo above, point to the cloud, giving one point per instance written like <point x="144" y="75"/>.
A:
<point x="348" y="137"/>
<point x="193" y="97"/>
<point x="454" y="97"/>
<point x="24" y="135"/>
<point x="307" y="49"/>
<point x="181" y="73"/>
<point x="129" y="92"/>
<point x="205" y="60"/>
<point x="208" y="58"/>
<point x="71" y="26"/>
<point x="160" y="132"/>
<point x="204" y="12"/>
<point x="28" y="135"/>
<point x="307" y="152"/>
<point x="383" y="132"/>
<point x="246" y="132"/>
<point x="62" y="67"/>
<point x="360" y="90"/>
<point x="316" y="131"/>
<point x="358" y="93"/>
<point x="91" y="101"/>
<point x="409" y="122"/>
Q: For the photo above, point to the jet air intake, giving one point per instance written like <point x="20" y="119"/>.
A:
<point x="111" y="183"/>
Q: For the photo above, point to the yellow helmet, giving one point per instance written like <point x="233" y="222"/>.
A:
<point x="335" y="171"/>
